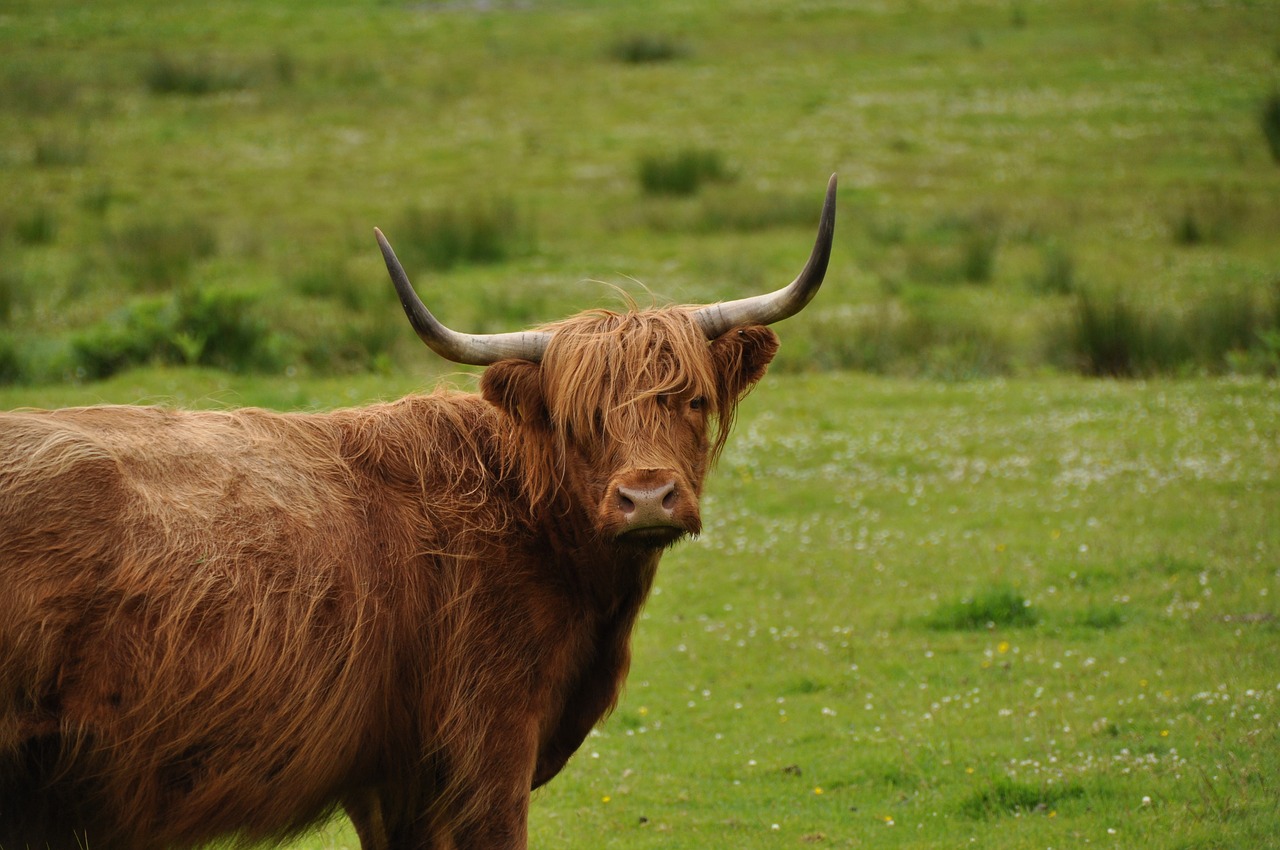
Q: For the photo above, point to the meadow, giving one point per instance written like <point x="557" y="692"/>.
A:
<point x="1025" y="186"/>
<point x="991" y="558"/>
<point x="1026" y="613"/>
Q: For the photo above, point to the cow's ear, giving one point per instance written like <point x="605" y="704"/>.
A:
<point x="515" y="387"/>
<point x="741" y="356"/>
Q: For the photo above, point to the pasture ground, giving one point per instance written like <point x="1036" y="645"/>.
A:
<point x="1029" y="613"/>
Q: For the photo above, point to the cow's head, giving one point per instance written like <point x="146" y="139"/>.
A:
<point x="629" y="409"/>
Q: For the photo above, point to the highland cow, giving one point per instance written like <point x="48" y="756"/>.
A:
<point x="228" y="625"/>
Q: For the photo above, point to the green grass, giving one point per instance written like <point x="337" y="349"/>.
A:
<point x="1112" y="336"/>
<point x="646" y="48"/>
<point x="1004" y="796"/>
<point x="478" y="233"/>
<point x="992" y="166"/>
<point x="994" y="607"/>
<point x="1269" y="119"/>
<point x="787" y="671"/>
<point x="681" y="173"/>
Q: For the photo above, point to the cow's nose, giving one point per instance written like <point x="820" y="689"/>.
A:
<point x="644" y="506"/>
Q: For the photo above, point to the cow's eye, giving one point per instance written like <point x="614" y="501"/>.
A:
<point x="697" y="403"/>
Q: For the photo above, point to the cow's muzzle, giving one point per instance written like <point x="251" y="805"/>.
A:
<point x="650" y="507"/>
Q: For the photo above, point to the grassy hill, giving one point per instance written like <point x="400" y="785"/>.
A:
<point x="1024" y="185"/>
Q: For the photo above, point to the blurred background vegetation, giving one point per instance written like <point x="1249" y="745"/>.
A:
<point x="1025" y="186"/>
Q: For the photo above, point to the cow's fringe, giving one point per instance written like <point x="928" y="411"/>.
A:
<point x="603" y="367"/>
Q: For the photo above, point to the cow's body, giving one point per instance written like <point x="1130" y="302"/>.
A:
<point x="229" y="624"/>
<point x="205" y="610"/>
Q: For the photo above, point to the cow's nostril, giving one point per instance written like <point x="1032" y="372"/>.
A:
<point x="651" y="509"/>
<point x="648" y="504"/>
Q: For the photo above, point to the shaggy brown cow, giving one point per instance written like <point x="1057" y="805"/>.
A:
<point x="229" y="624"/>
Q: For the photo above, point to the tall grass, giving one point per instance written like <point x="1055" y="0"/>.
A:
<point x="646" y="48"/>
<point x="1269" y="118"/>
<point x="11" y="291"/>
<point x="1113" y="336"/>
<point x="682" y="172"/>
<point x="978" y="256"/>
<point x="993" y="607"/>
<point x="334" y="281"/>
<point x="155" y="252"/>
<point x="37" y="225"/>
<point x="200" y="74"/>
<point x="961" y="248"/>
<point x="194" y="76"/>
<point x="57" y="151"/>
<point x="353" y="325"/>
<point x="98" y="198"/>
<point x="195" y="326"/>
<point x="894" y="337"/>
<point x="1058" y="270"/>
<point x="1233" y="321"/>
<point x="11" y="365"/>
<point x="1210" y="217"/>
<point x="1004" y="796"/>
<point x="480" y="232"/>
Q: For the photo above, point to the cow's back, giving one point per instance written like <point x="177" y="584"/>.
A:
<point x="184" y="599"/>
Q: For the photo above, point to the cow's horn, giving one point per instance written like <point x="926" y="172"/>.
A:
<point x="472" y="349"/>
<point x="715" y="319"/>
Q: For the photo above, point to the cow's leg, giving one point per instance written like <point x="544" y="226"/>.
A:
<point x="391" y="819"/>
<point x="365" y="810"/>
<point x="504" y="827"/>
<point x="498" y="808"/>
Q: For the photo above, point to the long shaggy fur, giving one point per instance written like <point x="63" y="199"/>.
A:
<point x="226" y="624"/>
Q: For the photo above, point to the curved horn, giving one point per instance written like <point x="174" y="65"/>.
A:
<point x="715" y="319"/>
<point x="471" y="349"/>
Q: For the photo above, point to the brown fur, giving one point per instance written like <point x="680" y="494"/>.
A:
<point x="227" y="624"/>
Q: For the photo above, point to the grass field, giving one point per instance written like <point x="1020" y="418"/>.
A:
<point x="188" y="183"/>
<point x="1034" y="613"/>
<point x="959" y="596"/>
